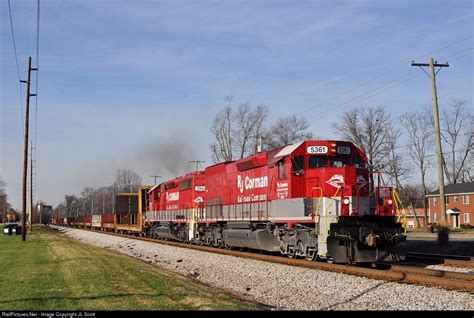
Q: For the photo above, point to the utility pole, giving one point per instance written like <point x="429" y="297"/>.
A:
<point x="31" y="188"/>
<point x="25" y="149"/>
<point x="259" y="143"/>
<point x="4" y="201"/>
<point x="40" y="211"/>
<point x="439" y="152"/>
<point x="197" y="162"/>
<point x="153" y="176"/>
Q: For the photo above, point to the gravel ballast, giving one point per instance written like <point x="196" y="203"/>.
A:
<point x="282" y="286"/>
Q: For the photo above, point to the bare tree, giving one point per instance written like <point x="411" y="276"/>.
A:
<point x="249" y="125"/>
<point x="222" y="130"/>
<point x="127" y="180"/>
<point x="60" y="210"/>
<point x="288" y="130"/>
<point x="368" y="128"/>
<point x="394" y="165"/>
<point x="87" y="195"/>
<point x="70" y="201"/>
<point x="468" y="171"/>
<point x="457" y="132"/>
<point x="234" y="130"/>
<point x="413" y="196"/>
<point x="420" y="136"/>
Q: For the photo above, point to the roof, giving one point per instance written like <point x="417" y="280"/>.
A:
<point x="467" y="187"/>
<point x="286" y="151"/>
<point x="151" y="190"/>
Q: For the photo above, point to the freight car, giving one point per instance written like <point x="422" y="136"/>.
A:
<point x="129" y="211"/>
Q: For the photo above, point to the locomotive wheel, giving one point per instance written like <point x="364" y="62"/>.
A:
<point x="312" y="255"/>
<point x="291" y="252"/>
<point x="301" y="249"/>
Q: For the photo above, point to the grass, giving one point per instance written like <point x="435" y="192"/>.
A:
<point x="52" y="272"/>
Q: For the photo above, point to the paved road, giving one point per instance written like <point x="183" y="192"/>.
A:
<point x="433" y="236"/>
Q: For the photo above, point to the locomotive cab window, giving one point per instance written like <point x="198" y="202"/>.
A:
<point x="297" y="164"/>
<point x="338" y="162"/>
<point x="317" y="162"/>
<point x="357" y="162"/>
<point x="281" y="170"/>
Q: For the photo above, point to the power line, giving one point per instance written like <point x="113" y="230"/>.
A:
<point x="366" y="95"/>
<point x="384" y="73"/>
<point x="379" y="89"/>
<point x="17" y="65"/>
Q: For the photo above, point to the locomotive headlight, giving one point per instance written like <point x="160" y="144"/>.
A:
<point x="390" y="202"/>
<point x="346" y="201"/>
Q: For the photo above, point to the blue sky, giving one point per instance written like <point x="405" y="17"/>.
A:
<point x="133" y="83"/>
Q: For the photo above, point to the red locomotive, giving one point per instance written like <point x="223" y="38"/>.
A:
<point x="311" y="199"/>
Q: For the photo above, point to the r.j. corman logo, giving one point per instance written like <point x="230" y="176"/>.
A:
<point x="361" y="181"/>
<point x="336" y="181"/>
<point x="251" y="183"/>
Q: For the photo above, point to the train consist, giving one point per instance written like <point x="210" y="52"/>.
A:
<point x="311" y="199"/>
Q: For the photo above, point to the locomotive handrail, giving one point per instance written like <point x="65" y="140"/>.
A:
<point x="317" y="208"/>
<point x="397" y="201"/>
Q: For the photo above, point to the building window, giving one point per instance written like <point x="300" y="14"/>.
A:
<point x="455" y="198"/>
<point x="466" y="217"/>
<point x="435" y="200"/>
<point x="435" y="218"/>
<point x="447" y="200"/>
<point x="465" y="199"/>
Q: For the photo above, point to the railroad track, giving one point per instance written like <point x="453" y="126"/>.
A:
<point x="393" y="273"/>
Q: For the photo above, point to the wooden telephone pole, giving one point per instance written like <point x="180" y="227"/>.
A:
<point x="439" y="152"/>
<point x="197" y="162"/>
<point x="25" y="152"/>
<point x="31" y="189"/>
<point x="156" y="177"/>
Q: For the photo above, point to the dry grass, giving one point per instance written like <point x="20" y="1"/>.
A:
<point x="52" y="272"/>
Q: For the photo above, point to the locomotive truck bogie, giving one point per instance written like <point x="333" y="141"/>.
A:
<point x="365" y="240"/>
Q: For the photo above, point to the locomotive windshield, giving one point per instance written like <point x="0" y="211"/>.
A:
<point x="317" y="161"/>
<point x="357" y="162"/>
<point x="337" y="162"/>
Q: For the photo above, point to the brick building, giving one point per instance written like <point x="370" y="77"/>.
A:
<point x="415" y="218"/>
<point x="459" y="204"/>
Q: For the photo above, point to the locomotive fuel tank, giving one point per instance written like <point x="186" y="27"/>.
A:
<point x="241" y="234"/>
